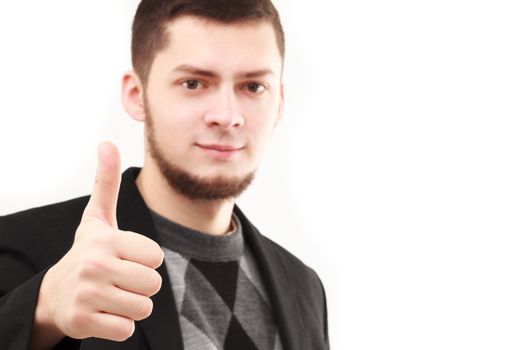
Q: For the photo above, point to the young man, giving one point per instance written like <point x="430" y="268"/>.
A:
<point x="162" y="258"/>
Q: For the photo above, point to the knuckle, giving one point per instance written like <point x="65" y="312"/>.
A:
<point x="153" y="284"/>
<point x="83" y="296"/>
<point x="91" y="268"/>
<point x="124" y="330"/>
<point x="78" y="320"/>
<point x="146" y="308"/>
<point x="156" y="256"/>
<point x="160" y="256"/>
<point x="156" y="282"/>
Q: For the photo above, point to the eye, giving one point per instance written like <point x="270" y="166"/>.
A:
<point x="256" y="88"/>
<point x="191" y="84"/>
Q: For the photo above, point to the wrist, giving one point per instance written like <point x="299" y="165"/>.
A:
<point x="45" y="333"/>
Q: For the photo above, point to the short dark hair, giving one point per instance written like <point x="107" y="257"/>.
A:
<point x="149" y="35"/>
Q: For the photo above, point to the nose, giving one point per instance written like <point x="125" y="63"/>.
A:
<point x="224" y="111"/>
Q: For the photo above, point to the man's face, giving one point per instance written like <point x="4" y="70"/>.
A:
<point x="207" y="119"/>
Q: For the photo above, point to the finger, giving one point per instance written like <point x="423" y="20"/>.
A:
<point x="103" y="202"/>
<point x="136" y="278"/>
<point x="126" y="304"/>
<point x="111" y="327"/>
<point x="140" y="249"/>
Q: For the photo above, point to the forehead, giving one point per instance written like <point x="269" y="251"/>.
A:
<point x="221" y="46"/>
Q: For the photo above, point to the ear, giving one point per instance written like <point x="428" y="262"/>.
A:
<point x="133" y="96"/>
<point x="280" y="111"/>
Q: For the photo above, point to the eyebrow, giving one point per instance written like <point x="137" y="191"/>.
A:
<point x="186" y="68"/>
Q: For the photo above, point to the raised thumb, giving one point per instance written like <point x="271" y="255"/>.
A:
<point x="103" y="202"/>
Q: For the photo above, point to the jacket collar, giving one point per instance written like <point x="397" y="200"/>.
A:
<point x="276" y="277"/>
<point x="162" y="328"/>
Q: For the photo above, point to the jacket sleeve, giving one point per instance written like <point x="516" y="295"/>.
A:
<point x="22" y="267"/>
<point x="17" y="309"/>
<point x="30" y="243"/>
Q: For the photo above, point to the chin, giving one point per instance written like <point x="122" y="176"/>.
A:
<point x="215" y="185"/>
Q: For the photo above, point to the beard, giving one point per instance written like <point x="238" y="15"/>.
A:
<point x="190" y="185"/>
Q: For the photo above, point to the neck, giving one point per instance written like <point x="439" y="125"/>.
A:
<point x="211" y="217"/>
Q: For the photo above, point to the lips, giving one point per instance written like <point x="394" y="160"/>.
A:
<point x="221" y="152"/>
<point x="220" y="148"/>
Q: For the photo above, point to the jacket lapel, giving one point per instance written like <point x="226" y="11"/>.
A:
<point x="277" y="282"/>
<point x="161" y="328"/>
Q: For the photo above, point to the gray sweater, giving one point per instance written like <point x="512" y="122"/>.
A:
<point x="219" y="294"/>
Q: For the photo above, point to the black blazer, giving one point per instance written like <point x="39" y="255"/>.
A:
<point x="33" y="240"/>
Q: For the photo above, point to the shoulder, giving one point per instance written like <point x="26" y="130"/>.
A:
<point x="51" y="215"/>
<point x="307" y="289"/>
<point x="298" y="271"/>
<point x="255" y="237"/>
<point x="50" y="227"/>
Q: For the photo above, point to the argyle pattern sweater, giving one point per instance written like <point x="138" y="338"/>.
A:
<point x="220" y="298"/>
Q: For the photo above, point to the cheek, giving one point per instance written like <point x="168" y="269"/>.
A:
<point x="261" y="130"/>
<point x="171" y="120"/>
<point x="171" y="113"/>
<point x="262" y="113"/>
<point x="172" y="134"/>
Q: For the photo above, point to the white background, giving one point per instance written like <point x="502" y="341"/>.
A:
<point x="397" y="174"/>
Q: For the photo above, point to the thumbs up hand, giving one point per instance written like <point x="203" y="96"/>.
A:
<point x="105" y="281"/>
